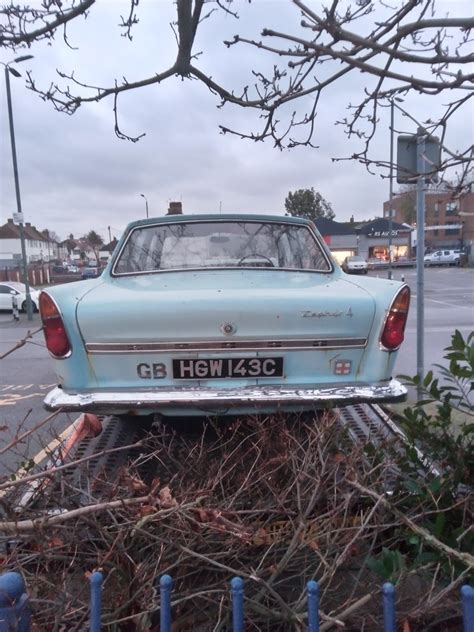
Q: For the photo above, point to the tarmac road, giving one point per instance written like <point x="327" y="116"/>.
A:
<point x="26" y="374"/>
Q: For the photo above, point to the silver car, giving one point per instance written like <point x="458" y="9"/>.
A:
<point x="355" y="265"/>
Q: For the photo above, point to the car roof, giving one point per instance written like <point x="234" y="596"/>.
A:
<point x="171" y="219"/>
<point x="17" y="286"/>
<point x="14" y="284"/>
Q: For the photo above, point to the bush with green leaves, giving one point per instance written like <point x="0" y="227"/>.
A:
<point x="436" y="474"/>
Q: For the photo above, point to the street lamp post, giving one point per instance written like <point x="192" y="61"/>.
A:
<point x="146" y="203"/>
<point x="15" y="73"/>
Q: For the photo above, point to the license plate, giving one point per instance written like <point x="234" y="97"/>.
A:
<point x="202" y="369"/>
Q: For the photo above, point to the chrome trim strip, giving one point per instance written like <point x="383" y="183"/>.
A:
<point x="227" y="345"/>
<point x="217" y="398"/>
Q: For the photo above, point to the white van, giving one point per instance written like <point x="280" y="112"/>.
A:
<point x="443" y="257"/>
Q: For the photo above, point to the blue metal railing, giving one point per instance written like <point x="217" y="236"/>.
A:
<point x="15" y="613"/>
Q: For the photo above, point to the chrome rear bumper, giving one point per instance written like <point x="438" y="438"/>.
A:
<point x="277" y="397"/>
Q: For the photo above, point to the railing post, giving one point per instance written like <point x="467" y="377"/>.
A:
<point x="96" y="580"/>
<point x="237" y="592"/>
<point x="467" y="598"/>
<point x="166" y="584"/>
<point x="15" y="611"/>
<point x="389" y="617"/>
<point x="312" y="588"/>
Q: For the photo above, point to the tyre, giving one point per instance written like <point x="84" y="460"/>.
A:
<point x="33" y="305"/>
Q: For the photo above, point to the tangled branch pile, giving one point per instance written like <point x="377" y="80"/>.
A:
<point x="276" y="501"/>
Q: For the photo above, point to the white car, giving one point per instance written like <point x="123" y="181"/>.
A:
<point x="443" y="257"/>
<point x="19" y="289"/>
<point x="355" y="265"/>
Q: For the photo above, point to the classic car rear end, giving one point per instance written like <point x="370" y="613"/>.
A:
<point x="223" y="314"/>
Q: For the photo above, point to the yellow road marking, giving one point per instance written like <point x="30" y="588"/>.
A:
<point x="10" y="399"/>
<point x="24" y="387"/>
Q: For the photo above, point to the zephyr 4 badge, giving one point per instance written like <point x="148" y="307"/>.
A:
<point x="308" y="313"/>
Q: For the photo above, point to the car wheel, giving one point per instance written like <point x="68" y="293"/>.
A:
<point x="33" y="305"/>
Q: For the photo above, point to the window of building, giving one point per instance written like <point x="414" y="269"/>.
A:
<point x="340" y="255"/>
<point x="452" y="231"/>
<point x="451" y="208"/>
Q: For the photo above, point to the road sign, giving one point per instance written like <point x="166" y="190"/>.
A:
<point x="18" y="218"/>
<point x="407" y="158"/>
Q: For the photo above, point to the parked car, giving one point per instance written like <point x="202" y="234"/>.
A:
<point x="90" y="273"/>
<point x="355" y="265"/>
<point x="222" y="314"/>
<point x="19" y="289"/>
<point x="58" y="269"/>
<point x="72" y="268"/>
<point x="443" y="257"/>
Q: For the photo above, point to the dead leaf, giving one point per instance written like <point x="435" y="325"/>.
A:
<point x="166" y="498"/>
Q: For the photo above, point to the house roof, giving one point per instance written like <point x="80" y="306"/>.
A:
<point x="33" y="233"/>
<point x="109" y="247"/>
<point x="330" y="227"/>
<point x="9" y="230"/>
<point x="12" y="231"/>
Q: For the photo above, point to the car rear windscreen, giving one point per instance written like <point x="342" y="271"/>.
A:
<point x="221" y="244"/>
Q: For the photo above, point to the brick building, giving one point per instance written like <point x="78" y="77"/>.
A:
<point x="449" y="220"/>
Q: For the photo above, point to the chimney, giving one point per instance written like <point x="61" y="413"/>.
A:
<point x="352" y="219"/>
<point x="175" y="208"/>
<point x="10" y="221"/>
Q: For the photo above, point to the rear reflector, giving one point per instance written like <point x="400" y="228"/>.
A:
<point x="394" y="327"/>
<point x="55" y="334"/>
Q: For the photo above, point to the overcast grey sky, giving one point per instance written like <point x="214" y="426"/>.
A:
<point x="76" y="175"/>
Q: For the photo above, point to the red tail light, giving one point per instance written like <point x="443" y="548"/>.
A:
<point x="55" y="334"/>
<point x="394" y="328"/>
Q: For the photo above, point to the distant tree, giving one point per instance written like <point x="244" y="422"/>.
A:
<point x="308" y="203"/>
<point x="93" y="241"/>
<point x="50" y="235"/>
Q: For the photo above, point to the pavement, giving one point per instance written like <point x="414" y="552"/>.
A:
<point x="26" y="375"/>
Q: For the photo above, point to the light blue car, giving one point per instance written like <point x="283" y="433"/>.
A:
<point x="222" y="314"/>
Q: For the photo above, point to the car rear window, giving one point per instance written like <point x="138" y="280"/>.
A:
<point x="219" y="244"/>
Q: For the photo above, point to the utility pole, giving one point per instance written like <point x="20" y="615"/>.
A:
<point x="420" y="255"/>
<point x="15" y="73"/>
<point x="390" y="211"/>
<point x="110" y="238"/>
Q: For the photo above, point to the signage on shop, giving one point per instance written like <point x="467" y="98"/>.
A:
<point x="382" y="233"/>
